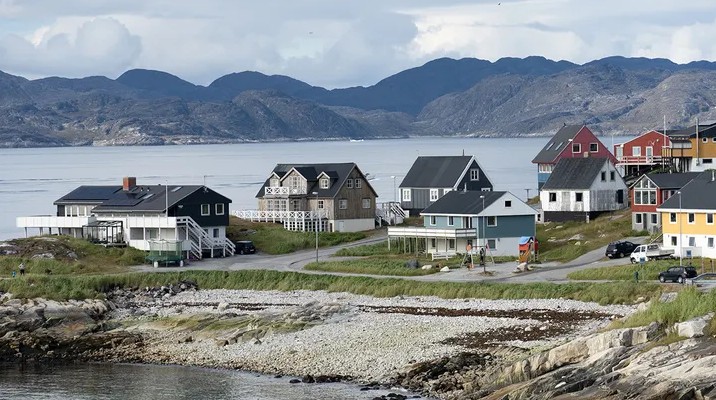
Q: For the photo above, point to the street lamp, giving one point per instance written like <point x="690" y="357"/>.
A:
<point x="315" y="217"/>
<point x="680" y="238"/>
<point x="483" y="250"/>
<point x="395" y="194"/>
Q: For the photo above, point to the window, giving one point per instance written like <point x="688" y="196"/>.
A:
<point x="673" y="241"/>
<point x="349" y="183"/>
<point x="654" y="219"/>
<point x="433" y="220"/>
<point x="710" y="242"/>
<point x="406" y="194"/>
<point x="593" y="147"/>
<point x="576" y="148"/>
<point x="152" y="233"/>
<point x="637" y="218"/>
<point x="710" y="219"/>
<point x="508" y="203"/>
<point x="321" y="204"/>
<point x="492" y="221"/>
<point x="433" y="194"/>
<point x="620" y="196"/>
<point x="433" y="243"/>
<point x="692" y="218"/>
<point x="219" y="208"/>
<point x="216" y="233"/>
<point x="604" y="176"/>
<point x="645" y="192"/>
<point x="474" y="174"/>
<point x="451" y="244"/>
<point x="707" y="161"/>
<point x="359" y="183"/>
<point x="612" y="175"/>
<point x="366" y="202"/>
<point x="705" y="140"/>
<point x="491" y="244"/>
<point x="636" y="151"/>
<point x="672" y="218"/>
<point x="273" y="182"/>
<point x="325" y="183"/>
<point x="205" y="210"/>
<point x="578" y="197"/>
<point x="451" y="221"/>
<point x="692" y="241"/>
<point x="552" y="197"/>
<point x="342" y="204"/>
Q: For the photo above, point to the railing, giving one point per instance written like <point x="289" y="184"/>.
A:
<point x="51" y="221"/>
<point x="278" y="216"/>
<point x="283" y="190"/>
<point x="147" y="221"/>
<point x="406" y="231"/>
<point x="390" y="212"/>
<point x="646" y="160"/>
<point x="200" y="240"/>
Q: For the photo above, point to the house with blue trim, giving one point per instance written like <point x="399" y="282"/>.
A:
<point x="491" y="220"/>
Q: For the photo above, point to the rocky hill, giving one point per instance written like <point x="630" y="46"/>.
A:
<point x="509" y="97"/>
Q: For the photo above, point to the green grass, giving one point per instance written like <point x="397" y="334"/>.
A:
<point x="371" y="265"/>
<point x="272" y="238"/>
<point x="554" y="243"/>
<point x="648" y="271"/>
<point x="375" y="249"/>
<point x="690" y="303"/>
<point x="93" y="286"/>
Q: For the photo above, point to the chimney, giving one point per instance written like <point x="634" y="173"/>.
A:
<point x="128" y="183"/>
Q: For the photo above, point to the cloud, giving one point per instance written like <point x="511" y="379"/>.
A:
<point x="97" y="46"/>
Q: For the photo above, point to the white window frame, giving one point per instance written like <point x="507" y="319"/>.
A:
<point x="475" y="174"/>
<point x="578" y="147"/>
<point x="359" y="183"/>
<point x="206" y="207"/>
<point x="492" y="244"/>
<point x="434" y="194"/>
<point x="366" y="202"/>
<point x="215" y="233"/>
<point x="343" y="204"/>
<point x="612" y="176"/>
<point x="406" y="195"/>
<point x="692" y="241"/>
<point x="636" y="151"/>
<point x="433" y="220"/>
<point x="710" y="242"/>
<point x="325" y="183"/>
<point x="673" y="218"/>
<point x="637" y="218"/>
<point x="577" y="196"/>
<point x="219" y="210"/>
<point x="654" y="218"/>
<point x="674" y="241"/>
<point x="321" y="204"/>
<point x="508" y="203"/>
<point x="551" y="195"/>
<point x="451" y="221"/>
<point x="274" y="182"/>
<point x="494" y="220"/>
<point x="349" y="183"/>
<point x="594" y="144"/>
<point x="709" y="216"/>
<point x="451" y="244"/>
<point x="691" y="218"/>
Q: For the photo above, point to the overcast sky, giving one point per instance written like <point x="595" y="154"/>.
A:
<point x="336" y="43"/>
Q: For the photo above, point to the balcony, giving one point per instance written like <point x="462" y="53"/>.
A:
<point x="639" y="160"/>
<point x="52" y="221"/>
<point x="403" y="231"/>
<point x="283" y="191"/>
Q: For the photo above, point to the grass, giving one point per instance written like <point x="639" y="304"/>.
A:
<point x="375" y="249"/>
<point x="648" y="271"/>
<point x="554" y="237"/>
<point x="94" y="286"/>
<point x="370" y="265"/>
<point x="690" y="303"/>
<point x="272" y="238"/>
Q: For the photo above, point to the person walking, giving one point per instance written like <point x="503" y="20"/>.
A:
<point x="22" y="269"/>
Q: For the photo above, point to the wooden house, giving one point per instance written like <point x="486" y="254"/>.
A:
<point x="649" y="192"/>
<point x="194" y="217"/>
<point x="494" y="221"/>
<point x="582" y="188"/>
<point x="431" y="177"/>
<point x="688" y="218"/>
<point x="570" y="141"/>
<point x="642" y="154"/>
<point x="325" y="197"/>
<point x="693" y="148"/>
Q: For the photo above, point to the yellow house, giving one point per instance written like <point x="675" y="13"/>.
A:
<point x="693" y="148"/>
<point x="688" y="218"/>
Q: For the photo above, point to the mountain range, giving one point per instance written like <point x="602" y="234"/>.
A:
<point x="469" y="97"/>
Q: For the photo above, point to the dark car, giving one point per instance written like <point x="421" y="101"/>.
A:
<point x="245" y="247"/>
<point x="620" y="249"/>
<point x="677" y="274"/>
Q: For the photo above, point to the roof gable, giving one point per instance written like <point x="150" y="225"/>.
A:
<point x="704" y="130"/>
<point x="338" y="172"/>
<point x="669" y="181"/>
<point x="558" y="143"/>
<point x="459" y="202"/>
<point x="698" y="194"/>
<point x="151" y="198"/>
<point x="436" y="171"/>
<point x="575" y="173"/>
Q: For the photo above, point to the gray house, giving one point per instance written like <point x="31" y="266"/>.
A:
<point x="431" y="177"/>
<point x="582" y="188"/>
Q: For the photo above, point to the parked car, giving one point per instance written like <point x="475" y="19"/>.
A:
<point x="619" y="249"/>
<point x="678" y="274"/>
<point x="650" y="252"/>
<point x="245" y="247"/>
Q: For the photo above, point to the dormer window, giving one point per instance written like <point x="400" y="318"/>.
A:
<point x="359" y="183"/>
<point x="325" y="183"/>
<point x="349" y="183"/>
<point x="273" y="182"/>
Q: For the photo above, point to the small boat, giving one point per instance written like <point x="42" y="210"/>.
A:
<point x="356" y="140"/>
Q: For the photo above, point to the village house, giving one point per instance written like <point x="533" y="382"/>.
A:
<point x="491" y="220"/>
<point x="688" y="218"/>
<point x="431" y="177"/>
<point x="649" y="192"/>
<point x="579" y="189"/>
<point x="307" y="197"/>
<point x="642" y="154"/>
<point x="188" y="218"/>
<point x="693" y="148"/>
<point x="570" y="141"/>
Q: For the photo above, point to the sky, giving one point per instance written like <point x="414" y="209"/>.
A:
<point x="336" y="43"/>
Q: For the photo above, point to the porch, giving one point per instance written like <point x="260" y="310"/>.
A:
<point x="303" y="221"/>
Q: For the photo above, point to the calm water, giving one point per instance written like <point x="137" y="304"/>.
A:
<point x="31" y="179"/>
<point x="153" y="382"/>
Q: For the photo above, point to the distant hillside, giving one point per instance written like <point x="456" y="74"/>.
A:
<point x="509" y="97"/>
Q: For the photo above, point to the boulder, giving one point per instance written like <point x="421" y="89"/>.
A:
<point x="444" y="269"/>
<point x="693" y="328"/>
<point x="222" y="306"/>
<point x="427" y="267"/>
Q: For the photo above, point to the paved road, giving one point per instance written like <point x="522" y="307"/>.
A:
<point x="551" y="272"/>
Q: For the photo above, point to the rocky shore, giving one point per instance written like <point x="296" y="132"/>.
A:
<point x="451" y="349"/>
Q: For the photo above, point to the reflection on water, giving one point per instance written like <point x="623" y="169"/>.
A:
<point x="152" y="382"/>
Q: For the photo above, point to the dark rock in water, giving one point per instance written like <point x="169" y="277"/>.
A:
<point x="308" y="379"/>
<point x="294" y="381"/>
<point x="278" y="376"/>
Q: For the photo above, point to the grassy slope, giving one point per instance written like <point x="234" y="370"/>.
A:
<point x="370" y="265"/>
<point x="648" y="271"/>
<point x="689" y="304"/>
<point x="272" y="238"/>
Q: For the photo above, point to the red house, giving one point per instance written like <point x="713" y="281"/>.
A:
<point x="569" y="142"/>
<point x="647" y="194"/>
<point x="642" y="153"/>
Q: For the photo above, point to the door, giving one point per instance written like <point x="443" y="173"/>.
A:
<point x="341" y="226"/>
<point x="643" y="221"/>
<point x="649" y="153"/>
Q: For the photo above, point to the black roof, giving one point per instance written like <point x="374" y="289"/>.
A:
<point x="559" y="142"/>
<point x="463" y="202"/>
<point x="575" y="173"/>
<point x="672" y="181"/>
<point x="436" y="171"/>
<point x="338" y="172"/>
<point x="705" y="130"/>
<point x="140" y="198"/>
<point x="698" y="194"/>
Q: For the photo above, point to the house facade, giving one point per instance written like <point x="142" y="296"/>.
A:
<point x="579" y="189"/>
<point x="194" y="217"/>
<point x="688" y="218"/>
<point x="693" y="148"/>
<point x="327" y="197"/>
<point x="431" y="177"/>
<point x="491" y="220"/>
<point x="570" y="141"/>
<point x="642" y="154"/>
<point x="648" y="193"/>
